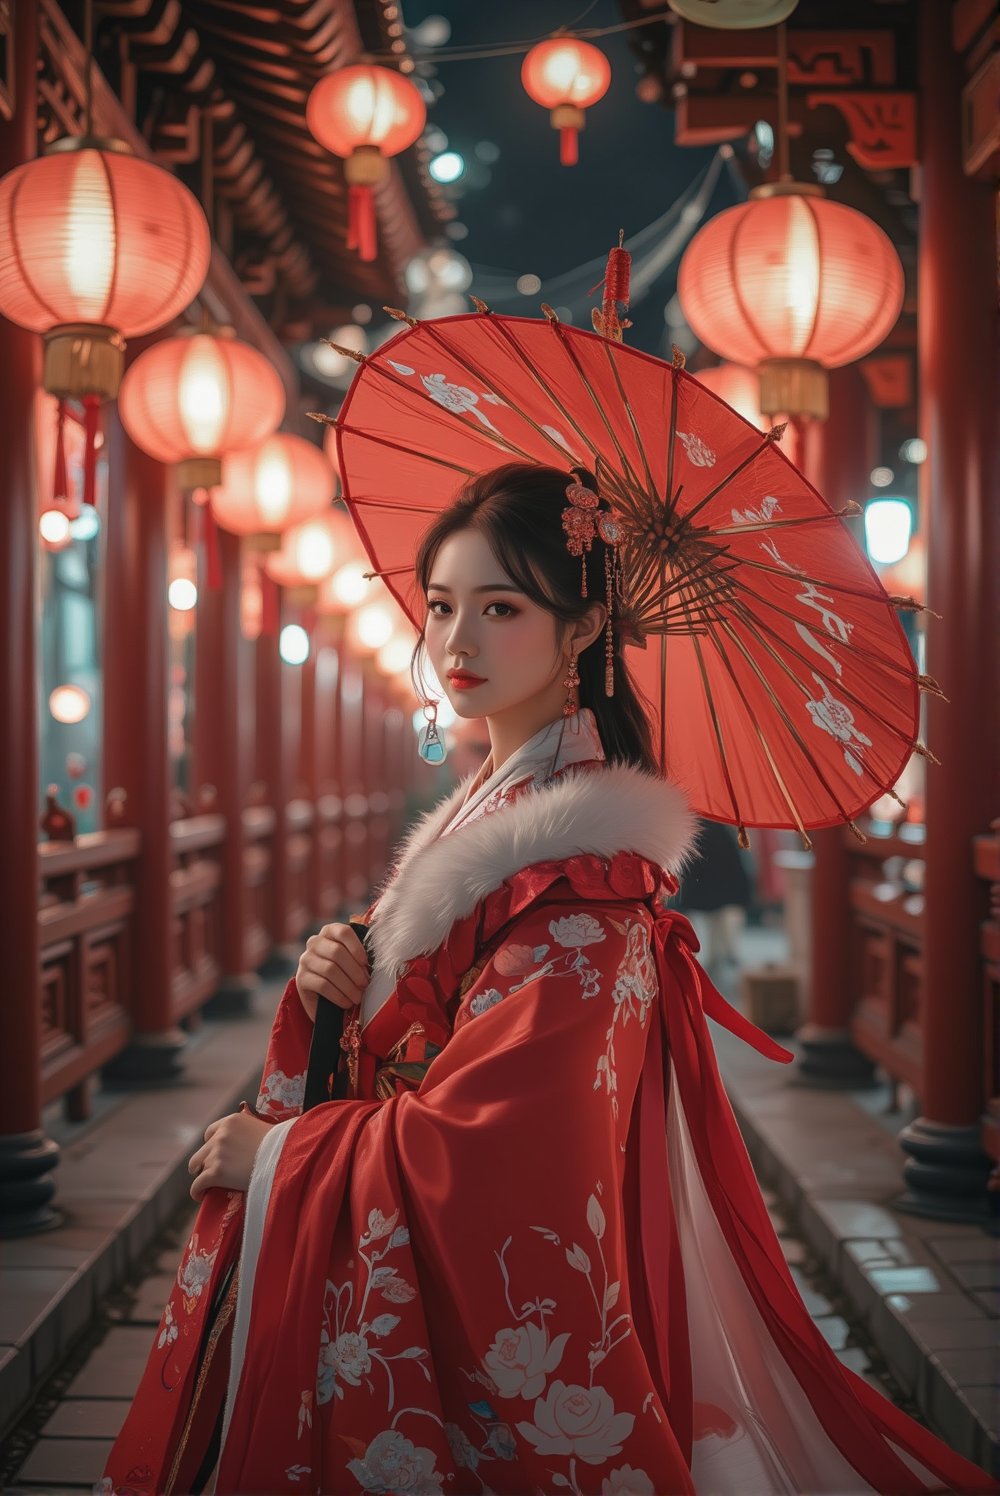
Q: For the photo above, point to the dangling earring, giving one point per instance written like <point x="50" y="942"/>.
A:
<point x="430" y="744"/>
<point x="571" y="680"/>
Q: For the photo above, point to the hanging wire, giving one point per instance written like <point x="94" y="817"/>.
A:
<point x="510" y="49"/>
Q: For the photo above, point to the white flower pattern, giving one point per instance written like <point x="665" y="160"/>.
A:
<point x="393" y="1464"/>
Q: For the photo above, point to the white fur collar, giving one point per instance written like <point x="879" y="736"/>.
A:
<point x="605" y="811"/>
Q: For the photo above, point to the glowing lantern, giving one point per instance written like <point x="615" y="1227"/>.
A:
<point x="793" y="285"/>
<point x="69" y="704"/>
<point x="193" y="398"/>
<point x="566" y="76"/>
<point x="733" y="15"/>
<point x="96" y="246"/>
<point x="266" y="490"/>
<point x="309" y="553"/>
<point x="371" y="627"/>
<point x="345" y="589"/>
<point x="739" y="387"/>
<point x="393" y="658"/>
<point x="365" y="114"/>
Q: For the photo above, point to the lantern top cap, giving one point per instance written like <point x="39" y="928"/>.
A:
<point x="785" y="189"/>
<point x="89" y="143"/>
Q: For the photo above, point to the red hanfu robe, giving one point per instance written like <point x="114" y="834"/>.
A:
<point x="530" y="1254"/>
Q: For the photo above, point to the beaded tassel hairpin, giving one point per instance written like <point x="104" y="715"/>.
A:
<point x="582" y="522"/>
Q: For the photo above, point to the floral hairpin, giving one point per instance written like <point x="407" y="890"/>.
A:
<point x="582" y="523"/>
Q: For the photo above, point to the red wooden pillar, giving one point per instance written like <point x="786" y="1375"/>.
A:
<point x="327" y="868"/>
<point x="946" y="1170"/>
<point x="352" y="708"/>
<point x="278" y="726"/>
<point x="136" y="675"/>
<point x="224" y="725"/>
<point x="834" y="455"/>
<point x="27" y="1157"/>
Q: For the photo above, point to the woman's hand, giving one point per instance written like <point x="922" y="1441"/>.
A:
<point x="332" y="966"/>
<point x="226" y="1160"/>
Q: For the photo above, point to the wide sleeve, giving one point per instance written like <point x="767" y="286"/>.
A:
<point x="440" y="1298"/>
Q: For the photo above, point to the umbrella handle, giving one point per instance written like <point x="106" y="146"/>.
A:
<point x="324" y="1051"/>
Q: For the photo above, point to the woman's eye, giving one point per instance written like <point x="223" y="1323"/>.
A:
<point x="509" y="612"/>
<point x="438" y="602"/>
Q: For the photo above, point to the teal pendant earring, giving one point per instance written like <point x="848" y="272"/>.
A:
<point x="430" y="744"/>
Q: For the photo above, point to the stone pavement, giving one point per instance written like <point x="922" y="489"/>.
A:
<point x="911" y="1304"/>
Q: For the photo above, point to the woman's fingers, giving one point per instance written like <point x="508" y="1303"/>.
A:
<point x="197" y="1160"/>
<point x="340" y="953"/>
<point x="329" y="982"/>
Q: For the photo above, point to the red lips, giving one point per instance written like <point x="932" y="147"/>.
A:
<point x="463" y="678"/>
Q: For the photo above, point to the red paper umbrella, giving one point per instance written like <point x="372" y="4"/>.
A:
<point x="783" y="688"/>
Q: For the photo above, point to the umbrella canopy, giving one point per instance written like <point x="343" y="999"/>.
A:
<point x="782" y="686"/>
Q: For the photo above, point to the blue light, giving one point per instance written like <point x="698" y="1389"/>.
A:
<point x="447" y="167"/>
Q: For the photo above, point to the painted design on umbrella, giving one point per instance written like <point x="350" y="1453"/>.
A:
<point x="759" y="599"/>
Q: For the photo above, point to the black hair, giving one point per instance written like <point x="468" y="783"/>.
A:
<point x="518" y="508"/>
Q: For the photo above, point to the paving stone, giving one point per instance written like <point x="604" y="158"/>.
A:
<point x="70" y="1462"/>
<point x="795" y="1251"/>
<point x="150" y="1299"/>
<point x="815" y="1302"/>
<point x="26" y="1294"/>
<point x="923" y="1306"/>
<point x="834" y="1330"/>
<point x="976" y="1246"/>
<point x="908" y="1280"/>
<point x="989" y="1302"/>
<point x="958" y="1334"/>
<point x="116" y="1365"/>
<point x="977" y="1366"/>
<point x="977" y="1274"/>
<point x="87" y="1418"/>
<point x="856" y="1359"/>
<point x="15" y="1381"/>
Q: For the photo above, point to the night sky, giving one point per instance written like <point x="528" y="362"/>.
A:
<point x="524" y="212"/>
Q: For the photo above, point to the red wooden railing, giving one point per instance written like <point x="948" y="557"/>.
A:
<point x="196" y="910"/>
<point x="886" y="941"/>
<point x="87" y="959"/>
<point x="986" y="855"/>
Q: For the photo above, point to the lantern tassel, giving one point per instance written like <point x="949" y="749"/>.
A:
<point x="210" y="539"/>
<point x="268" y="605"/>
<point x="91" y="426"/>
<point x="569" y="145"/>
<point x="361" y="227"/>
<point x="60" y="485"/>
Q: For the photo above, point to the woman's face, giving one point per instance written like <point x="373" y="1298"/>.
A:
<point x="478" y="621"/>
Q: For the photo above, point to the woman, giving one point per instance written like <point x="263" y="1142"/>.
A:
<point x="528" y="1253"/>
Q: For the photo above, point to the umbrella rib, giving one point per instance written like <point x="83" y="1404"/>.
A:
<point x="616" y="374"/>
<point x="492" y="387"/>
<point x="627" y="468"/>
<point x="759" y="623"/>
<point x="716" y="727"/>
<point x="776" y="524"/>
<point x="727" y="664"/>
<point x="801" y="576"/>
<point x="668" y="496"/>
<point x="384" y="441"/>
<point x="727" y="626"/>
<point x="395" y="504"/>
<point x="714" y="493"/>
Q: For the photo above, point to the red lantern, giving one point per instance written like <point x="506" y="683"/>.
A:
<point x="566" y="76"/>
<point x="267" y="489"/>
<point x="96" y="246"/>
<point x="365" y="114"/>
<point x="792" y="284"/>
<point x="193" y="398"/>
<point x="311" y="552"/>
<point x="740" y="388"/>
